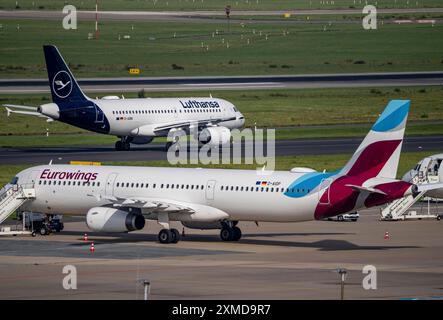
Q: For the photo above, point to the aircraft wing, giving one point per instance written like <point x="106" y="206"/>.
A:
<point x="161" y="205"/>
<point x="187" y="123"/>
<point x="148" y="205"/>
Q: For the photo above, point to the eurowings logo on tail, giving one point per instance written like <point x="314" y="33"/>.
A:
<point x="369" y="177"/>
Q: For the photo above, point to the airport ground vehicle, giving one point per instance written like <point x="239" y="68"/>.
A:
<point x="352" y="216"/>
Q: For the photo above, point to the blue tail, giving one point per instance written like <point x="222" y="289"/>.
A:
<point x="64" y="87"/>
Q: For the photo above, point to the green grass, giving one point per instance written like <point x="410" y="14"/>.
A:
<point x="340" y="112"/>
<point x="341" y="131"/>
<point x="323" y="162"/>
<point x="212" y="4"/>
<point x="154" y="49"/>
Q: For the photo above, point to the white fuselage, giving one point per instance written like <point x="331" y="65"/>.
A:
<point x="233" y="191"/>
<point x="126" y="116"/>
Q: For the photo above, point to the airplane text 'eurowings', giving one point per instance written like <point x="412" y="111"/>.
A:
<point x="62" y="175"/>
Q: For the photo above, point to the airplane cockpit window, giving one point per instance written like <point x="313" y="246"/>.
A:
<point x="14" y="180"/>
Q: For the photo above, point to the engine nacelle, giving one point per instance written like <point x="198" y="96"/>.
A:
<point x="142" y="140"/>
<point x="113" y="220"/>
<point x="215" y="135"/>
<point x="50" y="109"/>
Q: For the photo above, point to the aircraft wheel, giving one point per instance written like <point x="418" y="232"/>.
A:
<point x="165" y="236"/>
<point x="126" y="146"/>
<point x="168" y="145"/>
<point x="118" y="145"/>
<point x="43" y="231"/>
<point x="175" y="236"/>
<point x="227" y="234"/>
<point x="237" y="233"/>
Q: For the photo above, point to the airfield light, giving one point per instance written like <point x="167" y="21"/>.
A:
<point x="147" y="289"/>
<point x="343" y="273"/>
<point x="96" y="19"/>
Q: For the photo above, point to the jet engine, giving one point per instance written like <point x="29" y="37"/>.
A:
<point x="141" y="140"/>
<point x="50" y="109"/>
<point x="215" y="135"/>
<point x="113" y="220"/>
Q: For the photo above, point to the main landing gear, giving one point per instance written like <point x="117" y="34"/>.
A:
<point x="167" y="235"/>
<point x="123" y="144"/>
<point x="230" y="232"/>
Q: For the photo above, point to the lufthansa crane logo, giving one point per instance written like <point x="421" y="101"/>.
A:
<point x="62" y="84"/>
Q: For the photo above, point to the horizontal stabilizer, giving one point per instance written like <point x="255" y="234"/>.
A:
<point x="28" y="113"/>
<point x="20" y="107"/>
<point x="365" y="189"/>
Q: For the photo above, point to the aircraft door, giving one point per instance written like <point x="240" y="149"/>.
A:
<point x="175" y="112"/>
<point x="32" y="178"/>
<point x="99" y="115"/>
<point x="323" y="195"/>
<point x="210" y="188"/>
<point x="423" y="170"/>
<point x="109" y="188"/>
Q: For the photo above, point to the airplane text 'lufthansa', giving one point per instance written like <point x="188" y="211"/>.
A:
<point x="199" y="104"/>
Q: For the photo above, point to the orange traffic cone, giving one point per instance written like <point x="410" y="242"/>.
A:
<point x="92" y="249"/>
<point x="387" y="235"/>
<point x="85" y="237"/>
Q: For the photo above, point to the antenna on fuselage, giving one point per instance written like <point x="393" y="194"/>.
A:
<point x="50" y="162"/>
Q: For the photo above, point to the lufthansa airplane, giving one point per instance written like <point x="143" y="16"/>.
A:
<point x="119" y="199"/>
<point x="135" y="121"/>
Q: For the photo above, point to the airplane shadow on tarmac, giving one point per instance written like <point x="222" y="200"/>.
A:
<point x="322" y="245"/>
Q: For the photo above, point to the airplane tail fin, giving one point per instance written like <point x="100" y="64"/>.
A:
<point x="64" y="87"/>
<point x="379" y="153"/>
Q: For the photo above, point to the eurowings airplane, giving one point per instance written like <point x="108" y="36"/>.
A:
<point x="119" y="199"/>
<point x="135" y="121"/>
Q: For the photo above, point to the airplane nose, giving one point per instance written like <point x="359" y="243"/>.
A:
<point x="241" y="119"/>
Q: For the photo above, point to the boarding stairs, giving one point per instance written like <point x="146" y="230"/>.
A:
<point x="12" y="197"/>
<point x="397" y="209"/>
